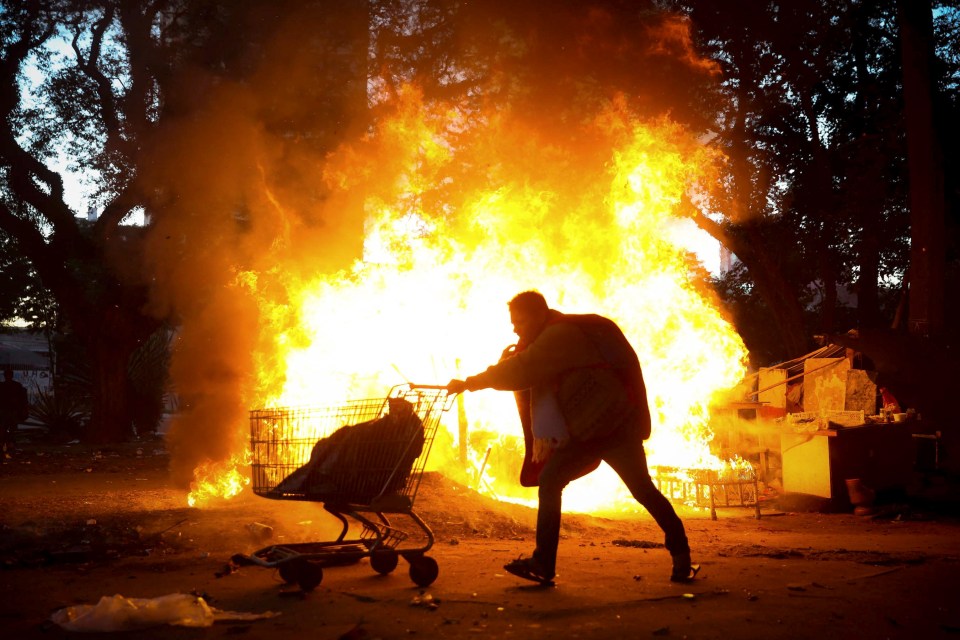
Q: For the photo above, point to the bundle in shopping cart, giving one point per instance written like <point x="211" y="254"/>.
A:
<point x="357" y="463"/>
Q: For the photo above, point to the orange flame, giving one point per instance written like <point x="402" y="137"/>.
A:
<point x="218" y="480"/>
<point x="462" y="213"/>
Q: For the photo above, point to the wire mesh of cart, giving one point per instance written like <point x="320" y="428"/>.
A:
<point x="364" y="460"/>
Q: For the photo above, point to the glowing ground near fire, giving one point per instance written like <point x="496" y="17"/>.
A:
<point x="460" y="213"/>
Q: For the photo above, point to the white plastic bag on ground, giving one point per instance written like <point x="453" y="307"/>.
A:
<point x="118" y="613"/>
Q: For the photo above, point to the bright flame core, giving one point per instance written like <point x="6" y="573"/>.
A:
<point x="462" y="214"/>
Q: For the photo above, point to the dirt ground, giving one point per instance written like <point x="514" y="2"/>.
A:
<point x="81" y="523"/>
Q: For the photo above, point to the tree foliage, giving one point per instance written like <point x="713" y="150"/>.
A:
<point x="16" y="278"/>
<point x="813" y="125"/>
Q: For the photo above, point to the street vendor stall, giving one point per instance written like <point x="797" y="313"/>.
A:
<point x="838" y="435"/>
<point x="821" y="461"/>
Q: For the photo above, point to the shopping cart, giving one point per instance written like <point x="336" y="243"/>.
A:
<point x="363" y="460"/>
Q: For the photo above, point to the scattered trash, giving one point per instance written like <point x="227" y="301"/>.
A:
<point x="359" y="597"/>
<point x="72" y="554"/>
<point x="260" y="531"/>
<point x="227" y="570"/>
<point x="640" y="544"/>
<point x="118" y="613"/>
<point x="202" y="594"/>
<point x="426" y="601"/>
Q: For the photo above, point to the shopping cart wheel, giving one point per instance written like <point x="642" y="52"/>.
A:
<point x="384" y="561"/>
<point x="290" y="571"/>
<point x="423" y="570"/>
<point x="310" y="576"/>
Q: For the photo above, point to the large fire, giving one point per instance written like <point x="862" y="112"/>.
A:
<point x="464" y="212"/>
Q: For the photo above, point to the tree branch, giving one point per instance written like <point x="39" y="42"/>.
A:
<point x="23" y="168"/>
<point x="24" y="172"/>
<point x="11" y="60"/>
<point x="106" y="99"/>
<point x="115" y="211"/>
<point x="47" y="260"/>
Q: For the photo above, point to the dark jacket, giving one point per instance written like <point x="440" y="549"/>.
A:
<point x="590" y="366"/>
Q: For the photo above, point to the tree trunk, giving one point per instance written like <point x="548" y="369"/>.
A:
<point x="110" y="418"/>
<point x="866" y="200"/>
<point x="782" y="300"/>
<point x="744" y="237"/>
<point x="868" y="300"/>
<point x="925" y="164"/>
<point x="828" y="306"/>
<point x="824" y="207"/>
<point x="111" y="341"/>
<point x="748" y="244"/>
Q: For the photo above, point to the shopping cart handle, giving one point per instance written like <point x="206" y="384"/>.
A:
<point x="430" y="392"/>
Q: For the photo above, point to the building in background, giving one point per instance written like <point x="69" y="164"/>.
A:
<point x="28" y="355"/>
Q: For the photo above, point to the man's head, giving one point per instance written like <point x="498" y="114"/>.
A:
<point x="7" y="373"/>
<point x="529" y="314"/>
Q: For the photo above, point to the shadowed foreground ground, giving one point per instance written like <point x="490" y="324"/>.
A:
<point x="80" y="523"/>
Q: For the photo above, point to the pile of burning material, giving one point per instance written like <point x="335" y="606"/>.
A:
<point x="708" y="488"/>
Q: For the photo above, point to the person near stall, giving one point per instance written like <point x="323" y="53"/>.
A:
<point x="14" y="408"/>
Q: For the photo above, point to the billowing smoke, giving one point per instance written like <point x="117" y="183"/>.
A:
<point x="242" y="206"/>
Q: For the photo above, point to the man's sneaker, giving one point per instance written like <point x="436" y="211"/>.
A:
<point x="683" y="571"/>
<point x="530" y="569"/>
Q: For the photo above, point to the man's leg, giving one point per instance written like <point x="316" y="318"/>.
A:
<point x="563" y="466"/>
<point x="629" y="460"/>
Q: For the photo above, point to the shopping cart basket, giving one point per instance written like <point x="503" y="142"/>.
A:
<point x="363" y="460"/>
